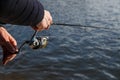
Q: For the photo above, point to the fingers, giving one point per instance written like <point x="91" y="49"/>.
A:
<point x="48" y="19"/>
<point x="9" y="45"/>
<point x="7" y="57"/>
<point x="13" y="42"/>
<point x="7" y="40"/>
<point x="10" y="48"/>
<point x="45" y="23"/>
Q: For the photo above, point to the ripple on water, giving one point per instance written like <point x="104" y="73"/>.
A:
<point x="109" y="75"/>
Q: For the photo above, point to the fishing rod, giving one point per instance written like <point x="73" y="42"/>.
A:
<point x="39" y="42"/>
<point x="36" y="42"/>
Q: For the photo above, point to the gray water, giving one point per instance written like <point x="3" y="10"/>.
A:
<point x="73" y="52"/>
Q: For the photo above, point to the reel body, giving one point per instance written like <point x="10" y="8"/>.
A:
<point x="38" y="42"/>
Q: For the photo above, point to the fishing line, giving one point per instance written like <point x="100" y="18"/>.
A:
<point x="78" y="25"/>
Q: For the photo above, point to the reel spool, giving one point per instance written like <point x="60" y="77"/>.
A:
<point x="38" y="42"/>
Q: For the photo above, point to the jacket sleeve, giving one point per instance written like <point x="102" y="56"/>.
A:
<point x="21" y="12"/>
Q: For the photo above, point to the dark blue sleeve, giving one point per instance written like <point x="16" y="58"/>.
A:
<point x="21" y="12"/>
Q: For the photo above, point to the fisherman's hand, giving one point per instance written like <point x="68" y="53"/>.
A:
<point x="8" y="44"/>
<point x="45" y="23"/>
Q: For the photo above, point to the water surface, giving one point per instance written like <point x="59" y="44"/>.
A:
<point x="73" y="53"/>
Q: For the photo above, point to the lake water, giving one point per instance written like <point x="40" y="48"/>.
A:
<point x="91" y="52"/>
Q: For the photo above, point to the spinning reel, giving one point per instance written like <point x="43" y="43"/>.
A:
<point x="36" y="42"/>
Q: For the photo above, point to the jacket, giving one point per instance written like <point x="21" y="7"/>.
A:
<point x="21" y="12"/>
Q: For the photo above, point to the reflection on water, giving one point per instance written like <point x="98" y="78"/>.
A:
<point x="73" y="53"/>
